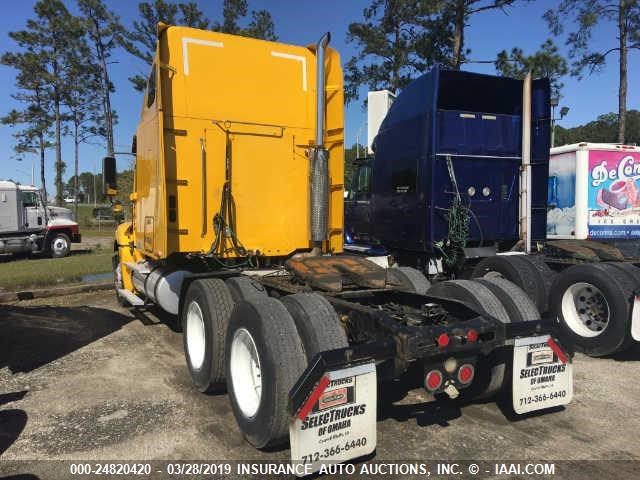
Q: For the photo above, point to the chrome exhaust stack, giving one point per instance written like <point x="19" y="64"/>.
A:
<point x="319" y="158"/>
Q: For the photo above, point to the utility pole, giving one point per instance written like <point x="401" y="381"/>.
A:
<point x="33" y="171"/>
<point x="94" y="185"/>
<point x="364" y="124"/>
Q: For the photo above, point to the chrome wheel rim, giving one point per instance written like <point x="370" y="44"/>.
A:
<point x="585" y="310"/>
<point x="195" y="335"/>
<point x="246" y="374"/>
<point x="59" y="245"/>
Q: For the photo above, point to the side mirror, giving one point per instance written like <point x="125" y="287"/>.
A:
<point x="109" y="183"/>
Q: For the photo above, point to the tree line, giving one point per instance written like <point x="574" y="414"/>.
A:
<point x="62" y="69"/>
<point x="86" y="187"/>
<point x="398" y="40"/>
<point x="63" y="60"/>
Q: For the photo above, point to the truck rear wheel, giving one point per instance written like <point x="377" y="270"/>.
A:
<point x="473" y="293"/>
<point x="547" y="275"/>
<point x="264" y="359"/>
<point x="317" y="323"/>
<point x="632" y="271"/>
<point x="409" y="279"/>
<point x="517" y="270"/>
<point x="518" y="305"/>
<point x="594" y="303"/>
<point x="205" y="317"/>
<point x="245" y="288"/>
<point x="59" y="245"/>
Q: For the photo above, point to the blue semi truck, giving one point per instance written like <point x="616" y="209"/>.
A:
<point x="456" y="186"/>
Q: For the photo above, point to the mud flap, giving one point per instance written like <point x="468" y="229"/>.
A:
<point x="635" y="319"/>
<point x="542" y="374"/>
<point x="337" y="423"/>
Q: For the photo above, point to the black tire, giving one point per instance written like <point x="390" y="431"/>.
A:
<point x="59" y="245"/>
<point x="245" y="288"/>
<point x="632" y="271"/>
<point x="548" y="276"/>
<point x="281" y="359"/>
<point x="518" y="305"/>
<point x="520" y="308"/>
<point x="616" y="286"/>
<point x="317" y="323"/>
<point x="409" y="279"/>
<point x="490" y="370"/>
<point x="475" y="294"/>
<point x="519" y="271"/>
<point x="212" y="297"/>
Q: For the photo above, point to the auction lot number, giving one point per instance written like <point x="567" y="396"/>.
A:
<point x="110" y="469"/>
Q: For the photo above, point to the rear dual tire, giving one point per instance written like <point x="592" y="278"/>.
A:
<point x="264" y="359"/>
<point x="409" y="279"/>
<point x="502" y="300"/>
<point x="528" y="272"/>
<point x="205" y="317"/>
<point x="236" y="336"/>
<point x="269" y="344"/>
<point x="594" y="304"/>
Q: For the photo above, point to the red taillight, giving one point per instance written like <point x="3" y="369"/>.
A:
<point x="443" y="340"/>
<point x="433" y="380"/>
<point x="472" y="336"/>
<point x="465" y="373"/>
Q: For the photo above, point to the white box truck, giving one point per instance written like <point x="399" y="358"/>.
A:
<point x="593" y="192"/>
<point x="26" y="226"/>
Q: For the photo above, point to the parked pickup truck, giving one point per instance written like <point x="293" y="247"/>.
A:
<point x="26" y="226"/>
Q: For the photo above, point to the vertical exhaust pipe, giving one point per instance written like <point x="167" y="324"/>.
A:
<point x="319" y="168"/>
<point x="321" y="47"/>
<point x="525" y="175"/>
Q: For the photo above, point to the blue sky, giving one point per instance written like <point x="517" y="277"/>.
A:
<point x="303" y="22"/>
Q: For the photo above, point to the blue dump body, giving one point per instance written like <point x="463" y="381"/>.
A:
<point x="474" y="119"/>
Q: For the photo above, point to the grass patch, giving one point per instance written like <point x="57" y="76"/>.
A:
<point x="35" y="272"/>
<point x="107" y="231"/>
<point x="90" y="227"/>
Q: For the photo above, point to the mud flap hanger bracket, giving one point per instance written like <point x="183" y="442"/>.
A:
<point x="332" y="360"/>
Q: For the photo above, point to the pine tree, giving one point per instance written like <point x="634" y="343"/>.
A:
<point x="586" y="14"/>
<point x="142" y="39"/>
<point x="395" y="44"/>
<point x="454" y="18"/>
<point x="35" y="119"/>
<point x="84" y="107"/>
<point x="546" y="62"/>
<point x="48" y="37"/>
<point x="261" y="24"/>
<point x="105" y="34"/>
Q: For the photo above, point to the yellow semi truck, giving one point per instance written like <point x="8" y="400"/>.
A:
<point x="237" y="231"/>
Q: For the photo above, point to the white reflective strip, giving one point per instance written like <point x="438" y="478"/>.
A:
<point x="185" y="51"/>
<point x="381" y="261"/>
<point x="635" y="320"/>
<point x="302" y="60"/>
<point x="352" y="371"/>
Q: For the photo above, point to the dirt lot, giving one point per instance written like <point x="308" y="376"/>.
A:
<point x="82" y="378"/>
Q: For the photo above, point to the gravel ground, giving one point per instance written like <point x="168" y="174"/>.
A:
<point x="82" y="378"/>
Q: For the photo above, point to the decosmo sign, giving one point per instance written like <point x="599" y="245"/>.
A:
<point x="614" y="194"/>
